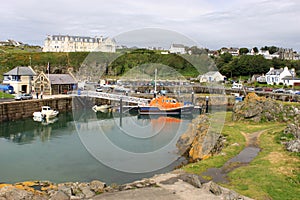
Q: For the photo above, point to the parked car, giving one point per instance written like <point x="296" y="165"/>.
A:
<point x="268" y="89"/>
<point x="258" y="89"/>
<point x="23" y="97"/>
<point x="280" y="90"/>
<point x="236" y="86"/>
<point x="99" y="89"/>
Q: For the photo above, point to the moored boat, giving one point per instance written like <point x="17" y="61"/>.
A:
<point x="165" y="106"/>
<point x="101" y="108"/>
<point x="46" y="113"/>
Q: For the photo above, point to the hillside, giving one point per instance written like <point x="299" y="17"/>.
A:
<point x="114" y="64"/>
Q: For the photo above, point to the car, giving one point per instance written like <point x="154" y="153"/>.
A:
<point x="280" y="90"/>
<point x="23" y="97"/>
<point x="99" y="89"/>
<point x="268" y="89"/>
<point x="258" y="89"/>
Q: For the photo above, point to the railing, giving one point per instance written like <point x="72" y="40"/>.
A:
<point x="111" y="96"/>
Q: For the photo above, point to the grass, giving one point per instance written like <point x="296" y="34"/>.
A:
<point x="273" y="174"/>
<point x="5" y="95"/>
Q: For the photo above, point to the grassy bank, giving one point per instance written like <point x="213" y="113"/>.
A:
<point x="5" y="95"/>
<point x="273" y="174"/>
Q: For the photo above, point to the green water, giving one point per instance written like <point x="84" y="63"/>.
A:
<point x="83" y="146"/>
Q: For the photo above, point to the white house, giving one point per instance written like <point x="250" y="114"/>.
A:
<point x="290" y="80"/>
<point x="267" y="54"/>
<point x="275" y="76"/>
<point x="177" y="48"/>
<point x="211" y="76"/>
<point x="231" y="50"/>
<point x="66" y="43"/>
<point x="20" y="78"/>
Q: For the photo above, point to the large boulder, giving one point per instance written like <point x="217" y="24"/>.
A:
<point x="257" y="109"/>
<point x="199" y="142"/>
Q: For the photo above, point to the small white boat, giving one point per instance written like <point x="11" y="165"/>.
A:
<point x="103" y="108"/>
<point x="46" y="113"/>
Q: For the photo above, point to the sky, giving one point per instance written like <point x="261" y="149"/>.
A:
<point x="208" y="23"/>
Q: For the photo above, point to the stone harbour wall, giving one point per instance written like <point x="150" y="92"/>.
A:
<point x="10" y="111"/>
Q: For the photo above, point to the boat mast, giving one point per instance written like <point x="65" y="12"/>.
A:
<point x="155" y="80"/>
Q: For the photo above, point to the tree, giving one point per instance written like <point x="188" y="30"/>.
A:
<point x="243" y="51"/>
<point x="255" y="49"/>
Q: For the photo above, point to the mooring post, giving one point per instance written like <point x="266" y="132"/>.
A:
<point x="121" y="110"/>
<point x="206" y="104"/>
<point x="192" y="97"/>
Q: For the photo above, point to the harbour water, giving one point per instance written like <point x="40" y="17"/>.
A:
<point x="85" y="146"/>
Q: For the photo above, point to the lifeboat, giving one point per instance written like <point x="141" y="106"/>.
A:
<point x="165" y="106"/>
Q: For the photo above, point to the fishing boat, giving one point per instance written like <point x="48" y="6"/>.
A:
<point x="163" y="105"/>
<point x="45" y="113"/>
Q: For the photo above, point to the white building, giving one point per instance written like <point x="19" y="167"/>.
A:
<point x="267" y="54"/>
<point x="211" y="76"/>
<point x="20" y="78"/>
<point x="66" y="43"/>
<point x="275" y="76"/>
<point x="231" y="50"/>
<point x="177" y="48"/>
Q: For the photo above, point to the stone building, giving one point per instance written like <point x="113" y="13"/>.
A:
<point x="51" y="84"/>
<point x="66" y="43"/>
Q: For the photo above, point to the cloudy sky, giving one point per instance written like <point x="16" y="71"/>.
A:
<point x="210" y="23"/>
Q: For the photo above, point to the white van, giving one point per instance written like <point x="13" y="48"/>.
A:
<point x="237" y="86"/>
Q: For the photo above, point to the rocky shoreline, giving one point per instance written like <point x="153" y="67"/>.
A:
<point x="173" y="185"/>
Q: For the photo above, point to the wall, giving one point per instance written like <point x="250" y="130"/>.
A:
<point x="10" y="111"/>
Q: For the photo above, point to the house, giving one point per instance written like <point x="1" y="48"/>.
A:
<point x="291" y="80"/>
<point x="66" y="43"/>
<point x="211" y="76"/>
<point x="177" y="48"/>
<point x="51" y="84"/>
<point x="261" y="79"/>
<point x="231" y="50"/>
<point x="266" y="54"/>
<point x="254" y="77"/>
<point x="275" y="76"/>
<point x="20" y="78"/>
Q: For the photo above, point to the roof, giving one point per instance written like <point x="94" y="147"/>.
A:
<point x="290" y="78"/>
<point x="21" y="71"/>
<point x="211" y="73"/>
<point x="177" y="46"/>
<point x="275" y="72"/>
<point x="79" y="38"/>
<point x="60" y="79"/>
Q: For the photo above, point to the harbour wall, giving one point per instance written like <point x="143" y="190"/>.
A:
<point x="14" y="110"/>
<point x="10" y="111"/>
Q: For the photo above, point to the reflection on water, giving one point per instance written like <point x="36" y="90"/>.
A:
<point x="59" y="151"/>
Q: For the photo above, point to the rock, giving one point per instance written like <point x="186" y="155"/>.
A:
<point x="97" y="186"/>
<point x="293" y="129"/>
<point x="59" y="195"/>
<point x="64" y="188"/>
<point x="293" y="146"/>
<point x="12" y="193"/>
<point x="231" y="195"/>
<point x="87" y="192"/>
<point x="199" y="141"/>
<point x="215" y="188"/>
<point x="192" y="179"/>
